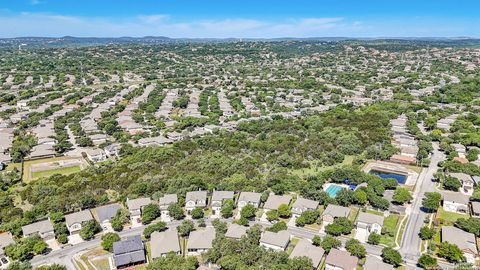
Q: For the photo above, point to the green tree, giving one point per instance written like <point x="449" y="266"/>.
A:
<point x="431" y="201"/>
<point x="121" y="218"/>
<point x="108" y="239"/>
<point x="402" y="195"/>
<point x="374" y="239"/>
<point x="355" y="248"/>
<point x="341" y="225"/>
<point x="392" y="256"/>
<point x="427" y="262"/>
<point x="39" y="247"/>
<point x="316" y="240"/>
<point x="197" y="213"/>
<point x="426" y="233"/>
<point x="173" y="261"/>
<point x="157" y="227"/>
<point x="450" y="252"/>
<point x="227" y="209"/>
<point x="451" y="183"/>
<point x="150" y="212"/>
<point x="279" y="226"/>
<point x="272" y="215"/>
<point x="330" y="242"/>
<point x="284" y="211"/>
<point x="248" y="211"/>
<point x="185" y="228"/>
<point x="89" y="229"/>
<point x="175" y="211"/>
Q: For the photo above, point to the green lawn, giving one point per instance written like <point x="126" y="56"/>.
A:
<point x="64" y="171"/>
<point x="370" y="211"/>
<point x="353" y="213"/>
<point x="449" y="217"/>
<point x="391" y="224"/>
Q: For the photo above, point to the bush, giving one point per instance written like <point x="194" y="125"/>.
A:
<point x="197" y="213"/>
<point x="175" y="211"/>
<point x="279" y="226"/>
<point x="108" y="239"/>
<point x="248" y="211"/>
<point x="150" y="212"/>
<point x="157" y="227"/>
<point x="89" y="229"/>
<point x="392" y="256"/>
<point x="374" y="239"/>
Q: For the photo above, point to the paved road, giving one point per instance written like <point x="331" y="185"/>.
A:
<point x="410" y="247"/>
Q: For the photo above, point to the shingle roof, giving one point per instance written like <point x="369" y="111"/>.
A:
<point x="236" y="231"/>
<point x="136" y="204"/>
<point x="462" y="177"/>
<point x="251" y="197"/>
<point x="341" y="259"/>
<point x="222" y="195"/>
<point x="5" y="240"/>
<point x="164" y="242"/>
<point x="464" y="240"/>
<point x="274" y="201"/>
<point x="336" y="211"/>
<point x="304" y="204"/>
<point x="168" y="199"/>
<point x="374" y="263"/>
<point x="196" y="196"/>
<point x="455" y="197"/>
<point x="78" y="217"/>
<point x="305" y="248"/>
<point x="107" y="212"/>
<point x="201" y="239"/>
<point x="43" y="226"/>
<point x="369" y="218"/>
<point x="279" y="239"/>
<point x="128" y="251"/>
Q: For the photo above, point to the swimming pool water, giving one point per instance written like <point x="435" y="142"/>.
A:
<point x="399" y="177"/>
<point x="332" y="190"/>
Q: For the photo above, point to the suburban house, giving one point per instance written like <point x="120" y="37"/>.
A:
<point x="112" y="150"/>
<point x="475" y="209"/>
<point x="375" y="263"/>
<point x="195" y="199"/>
<point x="105" y="214"/>
<point x="5" y="240"/>
<point x="218" y="197"/>
<point x="161" y="243"/>
<point x="274" y="201"/>
<point x="75" y="220"/>
<point x="245" y="198"/>
<point x="304" y="248"/>
<point x="200" y="241"/>
<point x="95" y="155"/>
<point x="340" y="260"/>
<point x="165" y="201"/>
<point x="135" y="207"/>
<point x="236" y="231"/>
<point x="275" y="241"/>
<point x="301" y="205"/>
<point x="43" y="228"/>
<point x="468" y="184"/>
<point x="366" y="224"/>
<point x="129" y="252"/>
<point x="455" y="202"/>
<point x="464" y="240"/>
<point x="332" y="212"/>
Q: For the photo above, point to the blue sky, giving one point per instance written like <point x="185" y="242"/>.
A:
<point x="240" y="18"/>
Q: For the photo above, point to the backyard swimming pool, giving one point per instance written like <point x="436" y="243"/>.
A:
<point x="333" y="189"/>
<point x="399" y="177"/>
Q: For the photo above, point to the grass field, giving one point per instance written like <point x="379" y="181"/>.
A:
<point x="64" y="171"/>
<point x="449" y="217"/>
<point x="391" y="223"/>
<point x="28" y="175"/>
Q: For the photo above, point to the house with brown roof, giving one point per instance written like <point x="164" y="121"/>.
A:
<point x="305" y="248"/>
<point x="464" y="240"/>
<point x="340" y="260"/>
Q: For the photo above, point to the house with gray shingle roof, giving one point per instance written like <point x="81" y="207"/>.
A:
<point x="375" y="263"/>
<point x="274" y="201"/>
<point x="368" y="223"/>
<point x="305" y="248"/>
<point x="276" y="241"/>
<point x="245" y="198"/>
<point x="135" y="207"/>
<point x="340" y="260"/>
<point x="218" y="197"/>
<point x="236" y="231"/>
<point x="195" y="199"/>
<point x="43" y="228"/>
<point x="5" y="240"/>
<point x="464" y="240"/>
<point x="75" y="220"/>
<point x="200" y="241"/>
<point x="302" y="204"/>
<point x="129" y="252"/>
<point x="162" y="243"/>
<point x="455" y="202"/>
<point x="332" y="212"/>
<point x="105" y="214"/>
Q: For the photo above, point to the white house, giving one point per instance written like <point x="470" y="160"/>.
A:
<point x="302" y="204"/>
<point x="468" y="184"/>
<point x="332" y="212"/>
<point x="252" y="198"/>
<point x="162" y="243"/>
<point x="75" y="220"/>
<point x="464" y="240"/>
<point x="218" y="197"/>
<point x="165" y="201"/>
<point x="455" y="202"/>
<point x="43" y="228"/>
<point x="135" y="207"/>
<point x="195" y="199"/>
<point x="366" y="224"/>
<point x="105" y="214"/>
<point x="200" y="241"/>
<point x="95" y="155"/>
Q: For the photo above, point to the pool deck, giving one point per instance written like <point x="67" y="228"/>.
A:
<point x="327" y="185"/>
<point x="390" y="167"/>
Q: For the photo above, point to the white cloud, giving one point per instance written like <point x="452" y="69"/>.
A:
<point x="41" y="24"/>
